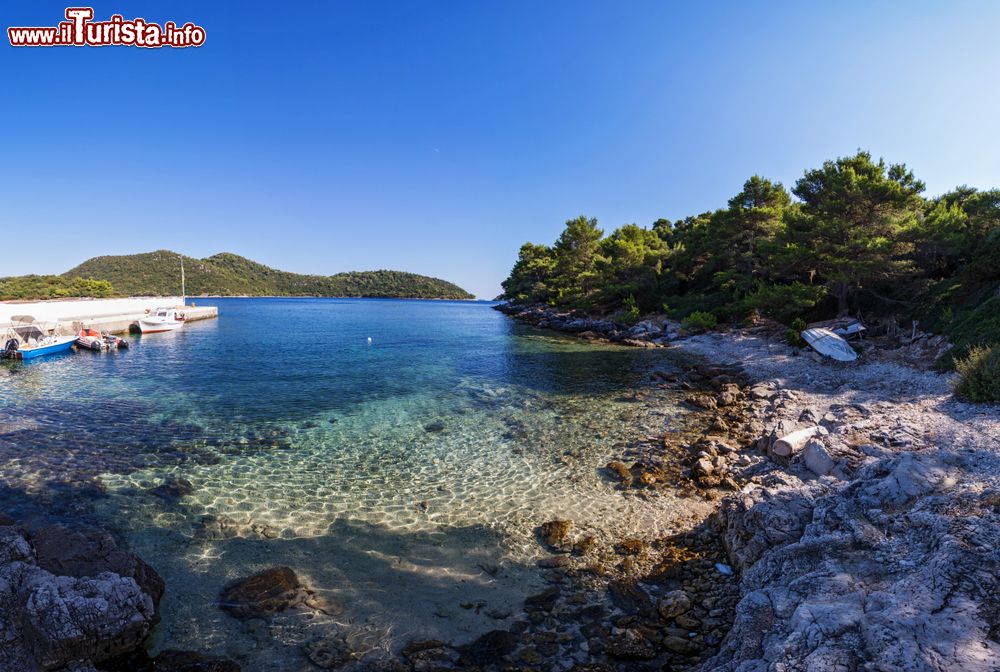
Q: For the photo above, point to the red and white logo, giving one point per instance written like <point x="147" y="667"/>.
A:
<point x="80" y="30"/>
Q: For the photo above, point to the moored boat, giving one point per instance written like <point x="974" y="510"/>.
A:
<point x="91" y="339"/>
<point x="161" y="319"/>
<point x="26" y="339"/>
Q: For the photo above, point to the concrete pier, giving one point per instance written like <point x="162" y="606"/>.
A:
<point x="114" y="315"/>
<point x="129" y="322"/>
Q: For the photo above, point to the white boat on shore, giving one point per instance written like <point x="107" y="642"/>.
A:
<point x="161" y="319"/>
<point x="829" y="344"/>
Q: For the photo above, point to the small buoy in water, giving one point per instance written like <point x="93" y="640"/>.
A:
<point x="369" y="340"/>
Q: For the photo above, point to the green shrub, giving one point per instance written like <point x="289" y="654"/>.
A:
<point x="699" y="321"/>
<point x="974" y="322"/>
<point x="979" y="375"/>
<point x="31" y="287"/>
<point x="630" y="312"/>
<point x="794" y="335"/>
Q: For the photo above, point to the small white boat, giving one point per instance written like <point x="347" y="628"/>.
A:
<point x="827" y="343"/>
<point x="161" y="319"/>
<point x="164" y="319"/>
<point x="847" y="327"/>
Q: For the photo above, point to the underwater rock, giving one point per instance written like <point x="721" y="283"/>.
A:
<point x="217" y="527"/>
<point x="262" y="594"/>
<point x="264" y="530"/>
<point x="328" y="653"/>
<point x="584" y="545"/>
<point x="430" y="655"/>
<point x="434" y="427"/>
<point x="631" y="644"/>
<point x="621" y="471"/>
<point x="172" y="489"/>
<point x="490" y="648"/>
<point x="418" y="645"/>
<point x="543" y="601"/>
<point x="632" y="547"/>
<point x="647" y="475"/>
<point x="555" y="534"/>
<point x="629" y="596"/>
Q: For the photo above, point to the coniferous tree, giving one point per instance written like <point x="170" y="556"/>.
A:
<point x="576" y="252"/>
<point x="855" y="214"/>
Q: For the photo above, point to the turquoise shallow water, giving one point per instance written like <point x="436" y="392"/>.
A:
<point x="400" y="477"/>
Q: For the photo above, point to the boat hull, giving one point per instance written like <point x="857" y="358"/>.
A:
<point x="153" y="327"/>
<point x="33" y="353"/>
<point x="829" y="344"/>
<point x="91" y="343"/>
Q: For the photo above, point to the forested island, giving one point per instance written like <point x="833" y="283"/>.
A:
<point x="225" y="274"/>
<point x="855" y="236"/>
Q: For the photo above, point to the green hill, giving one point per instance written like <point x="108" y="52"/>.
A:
<point x="158" y="274"/>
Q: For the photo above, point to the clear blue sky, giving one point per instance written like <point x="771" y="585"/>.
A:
<point x="436" y="137"/>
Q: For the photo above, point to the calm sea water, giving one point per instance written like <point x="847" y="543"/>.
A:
<point x="400" y="477"/>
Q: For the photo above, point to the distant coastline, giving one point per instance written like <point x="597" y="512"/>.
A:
<point x="225" y="274"/>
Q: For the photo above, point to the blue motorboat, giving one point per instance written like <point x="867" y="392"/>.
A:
<point x="26" y="339"/>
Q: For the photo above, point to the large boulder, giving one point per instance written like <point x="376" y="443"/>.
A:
<point x="70" y="611"/>
<point x="754" y="522"/>
<point x="69" y="552"/>
<point x="895" y="569"/>
<point x="91" y="618"/>
<point x="263" y="594"/>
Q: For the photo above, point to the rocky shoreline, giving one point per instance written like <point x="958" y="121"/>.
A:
<point x="854" y="523"/>
<point x="865" y="521"/>
<point x="656" y="332"/>
<point x="71" y="599"/>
